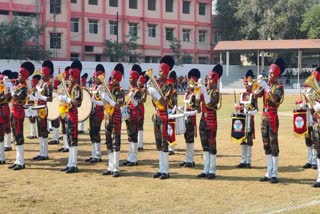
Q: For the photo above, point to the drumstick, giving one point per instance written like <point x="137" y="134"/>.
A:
<point x="235" y="98"/>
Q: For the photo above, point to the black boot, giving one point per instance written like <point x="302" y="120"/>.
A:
<point x="157" y="175"/>
<point x="202" y="175"/>
<point x="72" y="169"/>
<point x="307" y="166"/>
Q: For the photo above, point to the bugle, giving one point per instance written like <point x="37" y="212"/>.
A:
<point x="105" y="88"/>
<point x="153" y="83"/>
<point x="63" y="107"/>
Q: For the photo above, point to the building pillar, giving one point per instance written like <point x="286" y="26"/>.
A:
<point x="258" y="62"/>
<point x="299" y="67"/>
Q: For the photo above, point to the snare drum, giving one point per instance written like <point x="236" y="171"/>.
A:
<point x="180" y="123"/>
<point x="238" y="127"/>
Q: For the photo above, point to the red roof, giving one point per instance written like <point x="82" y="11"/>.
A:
<point x="262" y="45"/>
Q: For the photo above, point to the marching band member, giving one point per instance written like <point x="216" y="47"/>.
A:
<point x="42" y="96"/>
<point x="272" y="94"/>
<point x="135" y="97"/>
<point x="248" y="105"/>
<point x="308" y="137"/>
<point x="190" y="112"/>
<point x="141" y="84"/>
<point x="96" y="115"/>
<point x="113" y="122"/>
<point x="209" y="97"/>
<point x="65" y="146"/>
<point x="32" y="114"/>
<point x="172" y="105"/>
<point x="55" y="124"/>
<point x="20" y="95"/>
<point x="73" y="101"/>
<point x="311" y="90"/>
<point x="8" y="74"/>
<point x="83" y="85"/>
<point x="160" y="101"/>
<point x="5" y="95"/>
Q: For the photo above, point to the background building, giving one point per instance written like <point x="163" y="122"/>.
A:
<point x="79" y="28"/>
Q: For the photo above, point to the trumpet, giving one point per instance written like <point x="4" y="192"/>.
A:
<point x="105" y="88"/>
<point x="63" y="107"/>
<point x="153" y="83"/>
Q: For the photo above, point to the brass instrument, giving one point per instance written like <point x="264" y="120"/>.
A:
<point x="63" y="107"/>
<point x="311" y="90"/>
<point x="256" y="84"/>
<point x="153" y="82"/>
<point x="105" y="88"/>
<point x="197" y="88"/>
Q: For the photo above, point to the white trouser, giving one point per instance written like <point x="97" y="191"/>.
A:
<point x="206" y="162"/>
<point x="2" y="156"/>
<point x="140" y="139"/>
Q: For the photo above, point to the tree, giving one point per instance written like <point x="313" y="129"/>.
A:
<point x="123" y="51"/>
<point x="19" y="39"/>
<point x="274" y="19"/>
<point x="311" y="23"/>
<point x="175" y="46"/>
<point x="226" y="21"/>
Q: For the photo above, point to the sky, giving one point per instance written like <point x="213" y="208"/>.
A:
<point x="214" y="2"/>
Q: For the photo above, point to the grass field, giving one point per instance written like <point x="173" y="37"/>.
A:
<point x="42" y="188"/>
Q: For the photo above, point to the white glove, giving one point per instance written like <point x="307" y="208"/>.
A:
<point x="203" y="89"/>
<point x="96" y="102"/>
<point x="205" y="95"/>
<point x="316" y="107"/>
<point x="154" y="93"/>
<point x="253" y="112"/>
<point x="174" y="110"/>
<point x="41" y="97"/>
<point x="31" y="97"/>
<point x="64" y="98"/>
<point x="10" y="87"/>
<point x="259" y="78"/>
<point x="190" y="113"/>
<point x="265" y="86"/>
<point x="108" y="99"/>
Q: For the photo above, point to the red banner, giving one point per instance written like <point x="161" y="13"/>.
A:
<point x="300" y="122"/>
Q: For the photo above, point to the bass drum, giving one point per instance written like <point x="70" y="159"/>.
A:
<point x="53" y="107"/>
<point x="86" y="106"/>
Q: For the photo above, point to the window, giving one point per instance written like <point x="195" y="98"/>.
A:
<point x="55" y="6"/>
<point x="187" y="59"/>
<point x="113" y="28"/>
<point x="202" y="9"/>
<point x="93" y="26"/>
<point x="55" y="40"/>
<point x="202" y="36"/>
<point x="93" y="2"/>
<point x="186" y="7"/>
<point x="202" y="60"/>
<point x="133" y="4"/>
<point x="74" y="56"/>
<point x="169" y="34"/>
<point x="74" y="1"/>
<point x="186" y="35"/>
<point x="151" y="59"/>
<point x="98" y="58"/>
<point x="74" y="25"/>
<point x="169" y="5"/>
<point x="113" y="3"/>
<point x="152" y="5"/>
<point x="133" y="59"/>
<point x="88" y="48"/>
<point x="133" y="29"/>
<point x="152" y="31"/>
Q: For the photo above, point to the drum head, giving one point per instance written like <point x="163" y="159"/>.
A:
<point x="86" y="106"/>
<point x="38" y="107"/>
<point x="53" y="107"/>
